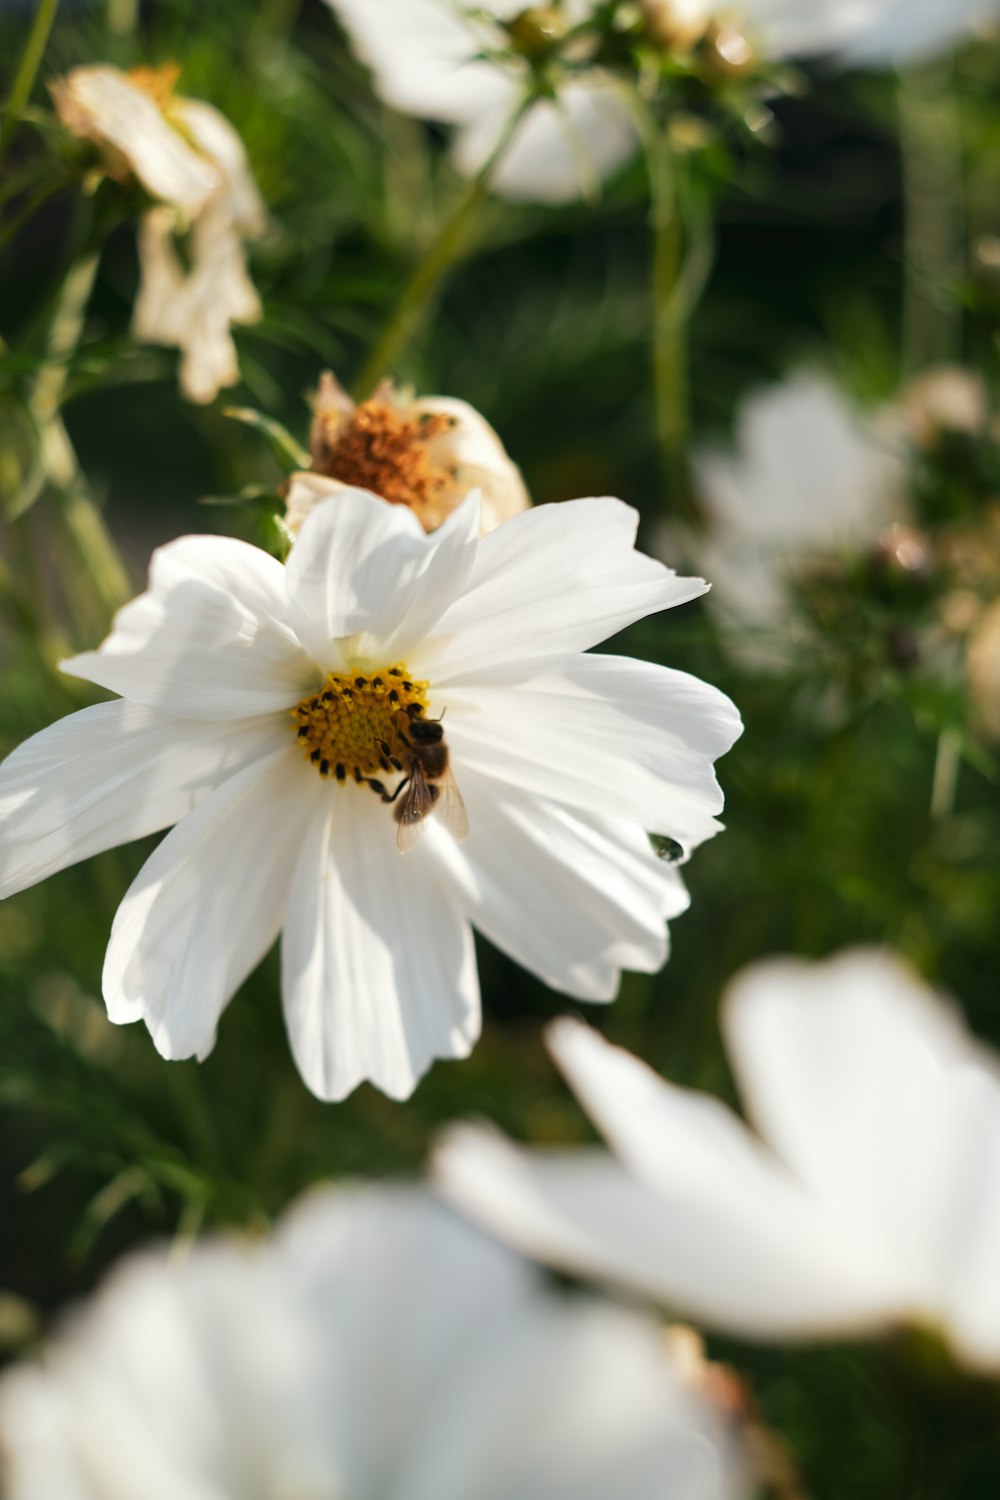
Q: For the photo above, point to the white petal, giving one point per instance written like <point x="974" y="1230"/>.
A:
<point x="389" y="1358"/>
<point x="613" y="736"/>
<point x="859" y="1079"/>
<point x="193" y="308"/>
<point x="473" y="450"/>
<point x="736" y="1255"/>
<point x="101" y="102"/>
<point x="574" y="899"/>
<point x="554" y="580"/>
<point x="209" y="640"/>
<point x="217" y="139"/>
<point x="366" y="583"/>
<point x="422" y="54"/>
<point x="207" y="905"/>
<point x="563" y="149"/>
<point x="109" y="774"/>
<point x="378" y="966"/>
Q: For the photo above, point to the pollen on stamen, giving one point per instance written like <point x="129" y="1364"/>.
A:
<point x="355" y="725"/>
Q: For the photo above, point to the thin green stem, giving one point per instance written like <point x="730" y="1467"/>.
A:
<point x="682" y="252"/>
<point x="425" y="283"/>
<point x="24" y="79"/>
<point x="934" y="210"/>
<point x="670" y="366"/>
<point x="82" y="520"/>
<point x="947" y="764"/>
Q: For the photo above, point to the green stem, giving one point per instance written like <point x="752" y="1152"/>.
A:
<point x="81" y="517"/>
<point x="934" y="210"/>
<point x="670" y="368"/>
<point x="24" y="80"/>
<point x="947" y="764"/>
<point x="425" y="282"/>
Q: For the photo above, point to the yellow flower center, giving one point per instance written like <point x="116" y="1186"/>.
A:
<point x="355" y="725"/>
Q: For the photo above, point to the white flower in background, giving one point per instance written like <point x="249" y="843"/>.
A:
<point x="427" y="59"/>
<point x="188" y="156"/>
<point x="373" y="1348"/>
<point x="425" y="452"/>
<point x="868" y="1197"/>
<point x="808" y="479"/>
<point x="269" y="710"/>
<point x="863" y="33"/>
<point x="462" y="64"/>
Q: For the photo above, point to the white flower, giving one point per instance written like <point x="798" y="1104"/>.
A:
<point x="374" y="1348"/>
<point x="438" y="60"/>
<point x="870" y="1196"/>
<point x="426" y="452"/>
<point x="863" y="33"/>
<point x="188" y="156"/>
<point x="425" y="55"/>
<point x="809" y="478"/>
<point x="251" y="691"/>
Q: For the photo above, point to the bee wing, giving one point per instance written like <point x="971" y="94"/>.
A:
<point x="450" y="808"/>
<point x="418" y="800"/>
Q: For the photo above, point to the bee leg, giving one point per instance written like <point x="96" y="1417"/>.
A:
<point x="401" y="788"/>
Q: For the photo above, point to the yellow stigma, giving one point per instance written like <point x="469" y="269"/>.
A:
<point x="354" y="726"/>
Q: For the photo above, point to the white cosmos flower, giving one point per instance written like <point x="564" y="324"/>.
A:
<point x="867" y="1195"/>
<point x="809" y="478"/>
<point x="255" y="695"/>
<point x="374" y="1348"/>
<point x="437" y="60"/>
<point x="426" y="58"/>
<point x="426" y="452"/>
<point x="188" y="156"/>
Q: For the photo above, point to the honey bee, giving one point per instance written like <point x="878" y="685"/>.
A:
<point x="429" y="785"/>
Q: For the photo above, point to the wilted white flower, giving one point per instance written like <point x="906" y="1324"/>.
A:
<point x="373" y="1348"/>
<point x="188" y="156"/>
<point x="809" y="479"/>
<point x="470" y="66"/>
<point x="869" y="1196"/>
<point x="426" y="452"/>
<point x="271" y="710"/>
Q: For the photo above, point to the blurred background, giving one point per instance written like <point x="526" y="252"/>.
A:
<point x="861" y="803"/>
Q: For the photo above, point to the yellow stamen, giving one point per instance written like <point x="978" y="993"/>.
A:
<point x="158" y="83"/>
<point x="355" y="726"/>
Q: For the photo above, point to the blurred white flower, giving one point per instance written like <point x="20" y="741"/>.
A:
<point x="426" y="452"/>
<point x="373" y="1348"/>
<point x="428" y="60"/>
<point x="809" y="479"/>
<point x="188" y="156"/>
<point x="466" y="65"/>
<point x="869" y="1198"/>
<point x="863" y="33"/>
<point x="263" y="705"/>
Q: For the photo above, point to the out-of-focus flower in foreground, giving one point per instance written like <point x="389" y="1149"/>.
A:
<point x="470" y="66"/>
<point x="374" y="1348"/>
<point x="426" y="452"/>
<point x="273" y="712"/>
<point x="869" y="1198"/>
<point x="188" y="157"/>
<point x="809" y="479"/>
